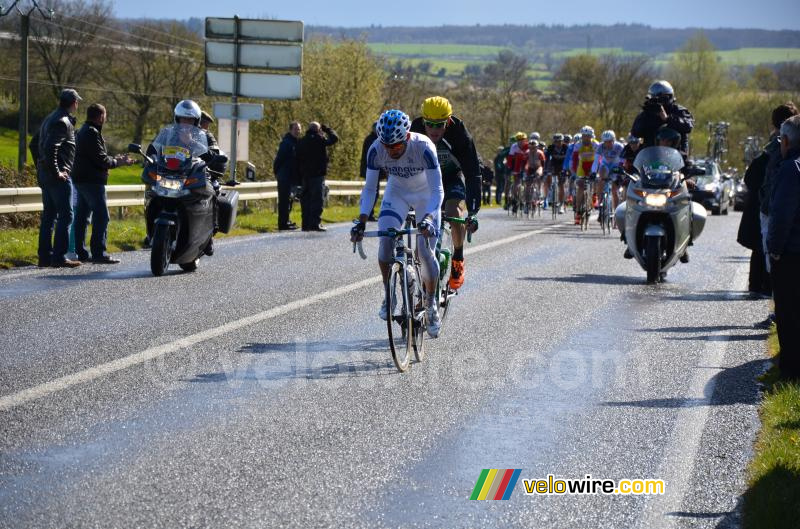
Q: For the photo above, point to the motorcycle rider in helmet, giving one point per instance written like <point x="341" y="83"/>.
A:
<point x="659" y="110"/>
<point x="187" y="112"/>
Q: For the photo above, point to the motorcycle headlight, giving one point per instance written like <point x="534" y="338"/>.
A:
<point x="171" y="183"/>
<point x="656" y="200"/>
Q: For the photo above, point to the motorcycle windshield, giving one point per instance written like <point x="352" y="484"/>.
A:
<point x="179" y="145"/>
<point x="659" y="166"/>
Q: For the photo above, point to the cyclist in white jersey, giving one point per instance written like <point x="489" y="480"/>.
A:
<point x="415" y="181"/>
<point x="608" y="157"/>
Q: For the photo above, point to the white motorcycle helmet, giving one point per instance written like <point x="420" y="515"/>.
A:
<point x="188" y="109"/>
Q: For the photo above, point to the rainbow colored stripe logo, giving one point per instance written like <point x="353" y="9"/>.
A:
<point x="495" y="484"/>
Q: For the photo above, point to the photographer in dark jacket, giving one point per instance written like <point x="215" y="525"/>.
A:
<point x="312" y="164"/>
<point x="284" y="167"/>
<point x="90" y="176"/>
<point x="660" y="110"/>
<point x="56" y="148"/>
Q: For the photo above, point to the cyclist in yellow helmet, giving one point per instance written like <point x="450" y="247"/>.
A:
<point x="461" y="172"/>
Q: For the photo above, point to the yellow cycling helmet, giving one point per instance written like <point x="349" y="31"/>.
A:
<point x="519" y="136"/>
<point x="436" y="108"/>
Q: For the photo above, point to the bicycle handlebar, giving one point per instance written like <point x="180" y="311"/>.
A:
<point x="459" y="220"/>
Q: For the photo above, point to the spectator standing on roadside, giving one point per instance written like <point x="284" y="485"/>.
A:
<point x="284" y="167"/>
<point x="500" y="172"/>
<point x="312" y="164"/>
<point x="90" y="177"/>
<point x="783" y="243"/>
<point x="56" y="148"/>
<point x="368" y="141"/>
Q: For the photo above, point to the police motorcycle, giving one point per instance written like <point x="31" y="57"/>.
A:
<point x="659" y="221"/>
<point x="185" y="198"/>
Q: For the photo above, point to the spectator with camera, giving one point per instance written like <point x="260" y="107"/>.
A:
<point x="312" y="164"/>
<point x="660" y="110"/>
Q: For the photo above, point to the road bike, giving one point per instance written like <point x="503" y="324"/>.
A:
<point x="405" y="296"/>
<point x="606" y="214"/>
<point x="444" y="254"/>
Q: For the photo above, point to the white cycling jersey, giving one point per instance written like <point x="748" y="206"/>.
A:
<point x="609" y="158"/>
<point x="414" y="177"/>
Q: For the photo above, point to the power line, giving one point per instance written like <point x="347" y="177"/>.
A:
<point x="122" y="32"/>
<point x="118" y="43"/>
<point x="154" y="30"/>
<point x="101" y="89"/>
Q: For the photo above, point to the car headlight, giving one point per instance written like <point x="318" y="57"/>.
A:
<point x="656" y="200"/>
<point x="710" y="187"/>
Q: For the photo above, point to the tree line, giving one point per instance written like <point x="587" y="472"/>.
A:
<point x="140" y="69"/>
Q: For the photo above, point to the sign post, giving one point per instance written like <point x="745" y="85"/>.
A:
<point x="260" y="59"/>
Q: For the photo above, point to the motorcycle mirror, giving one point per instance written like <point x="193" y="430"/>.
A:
<point x="135" y="148"/>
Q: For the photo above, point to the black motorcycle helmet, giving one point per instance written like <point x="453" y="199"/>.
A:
<point x="667" y="137"/>
<point x="662" y="92"/>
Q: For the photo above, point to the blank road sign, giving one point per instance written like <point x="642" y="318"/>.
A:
<point x="270" y="56"/>
<point x="275" y="30"/>
<point x="257" y="85"/>
<point x="246" y="111"/>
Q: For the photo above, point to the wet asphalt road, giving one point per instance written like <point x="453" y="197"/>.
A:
<point x="259" y="391"/>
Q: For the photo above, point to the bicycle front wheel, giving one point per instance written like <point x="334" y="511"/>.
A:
<point x="398" y="322"/>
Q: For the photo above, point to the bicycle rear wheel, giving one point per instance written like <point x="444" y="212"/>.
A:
<point x="398" y="322"/>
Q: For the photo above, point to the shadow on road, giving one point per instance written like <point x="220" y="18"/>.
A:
<point x="706" y="328"/>
<point x="731" y="338"/>
<point x="711" y="295"/>
<point x="597" y="279"/>
<point x="733" y="385"/>
<point x="307" y="360"/>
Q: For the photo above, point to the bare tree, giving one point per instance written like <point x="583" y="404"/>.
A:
<point x="608" y="88"/>
<point x="506" y="80"/>
<point x="69" y="44"/>
<point x="696" y="71"/>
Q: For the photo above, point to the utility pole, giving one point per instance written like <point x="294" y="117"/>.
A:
<point x="24" y="31"/>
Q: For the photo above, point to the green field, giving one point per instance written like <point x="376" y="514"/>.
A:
<point x="435" y="50"/>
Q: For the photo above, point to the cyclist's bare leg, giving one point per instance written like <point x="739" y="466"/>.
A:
<point x="453" y="208"/>
<point x="546" y="187"/>
<point x="615" y="194"/>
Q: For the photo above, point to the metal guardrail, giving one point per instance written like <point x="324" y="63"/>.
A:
<point x="22" y="199"/>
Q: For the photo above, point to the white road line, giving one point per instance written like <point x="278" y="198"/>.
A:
<point x="21" y="397"/>
<point x="681" y="453"/>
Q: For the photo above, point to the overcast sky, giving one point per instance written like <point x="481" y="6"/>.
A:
<point x="776" y="14"/>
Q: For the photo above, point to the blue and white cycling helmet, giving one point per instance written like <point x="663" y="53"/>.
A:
<point x="393" y="127"/>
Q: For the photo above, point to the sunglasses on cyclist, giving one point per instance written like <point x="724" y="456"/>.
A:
<point x="395" y="148"/>
<point x="435" y="124"/>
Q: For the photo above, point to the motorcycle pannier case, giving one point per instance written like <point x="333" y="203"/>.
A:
<point x="227" y="202"/>
<point x="698" y="219"/>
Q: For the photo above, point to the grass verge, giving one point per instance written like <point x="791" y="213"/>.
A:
<point x="18" y="246"/>
<point x="773" y="496"/>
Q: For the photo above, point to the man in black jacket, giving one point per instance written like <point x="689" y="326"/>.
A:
<point x="56" y="155"/>
<point x="312" y="164"/>
<point x="461" y="172"/>
<point x="284" y="167"/>
<point x="90" y="176"/>
<point x="368" y="141"/>
<point x="660" y="110"/>
<point x="783" y="243"/>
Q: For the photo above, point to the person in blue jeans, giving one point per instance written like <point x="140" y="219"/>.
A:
<point x="90" y="176"/>
<point x="55" y="142"/>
